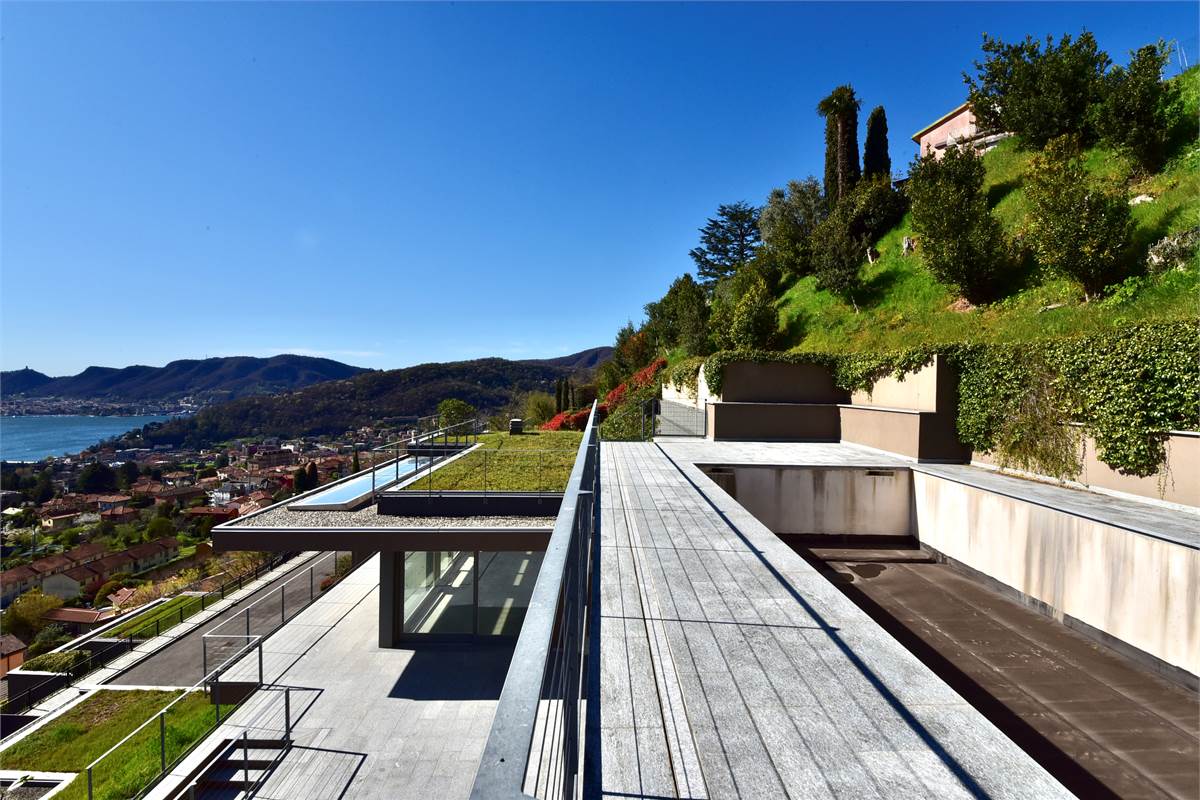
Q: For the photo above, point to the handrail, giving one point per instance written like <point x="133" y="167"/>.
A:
<point x="160" y="715"/>
<point x="547" y="673"/>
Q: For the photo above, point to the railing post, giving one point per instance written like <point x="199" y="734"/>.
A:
<point x="260" y="662"/>
<point x="287" y="713"/>
<point x="246" y="760"/>
<point x="89" y="771"/>
<point x="204" y="657"/>
<point x="162" y="740"/>
<point x="283" y="604"/>
<point x="247" y="622"/>
<point x="311" y="591"/>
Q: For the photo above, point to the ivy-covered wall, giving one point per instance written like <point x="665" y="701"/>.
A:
<point x="1127" y="389"/>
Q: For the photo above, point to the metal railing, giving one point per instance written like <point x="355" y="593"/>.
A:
<point x="535" y="747"/>
<point x="157" y="624"/>
<point x="185" y="737"/>
<point x="488" y="470"/>
<point x="459" y="435"/>
<point x="274" y="609"/>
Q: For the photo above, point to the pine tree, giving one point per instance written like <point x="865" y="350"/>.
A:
<point x="728" y="242"/>
<point x="876" y="160"/>
<point x="842" y="107"/>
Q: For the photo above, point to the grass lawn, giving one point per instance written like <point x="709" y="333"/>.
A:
<point x="535" y="461"/>
<point x="167" y="614"/>
<point x="78" y="737"/>
<point x="902" y="305"/>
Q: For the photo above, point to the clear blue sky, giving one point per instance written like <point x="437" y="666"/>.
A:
<point x="392" y="184"/>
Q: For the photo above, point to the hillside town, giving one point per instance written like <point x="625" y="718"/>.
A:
<point x="95" y="534"/>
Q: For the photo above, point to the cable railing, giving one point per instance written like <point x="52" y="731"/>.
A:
<point x="274" y="609"/>
<point x="390" y="461"/>
<point x="535" y="747"/>
<point x="174" y="736"/>
<point x="107" y="645"/>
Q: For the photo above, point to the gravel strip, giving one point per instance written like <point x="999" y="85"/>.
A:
<point x="367" y="518"/>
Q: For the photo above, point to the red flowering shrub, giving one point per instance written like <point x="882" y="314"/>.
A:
<point x="646" y="374"/>
<point x="578" y="420"/>
<point x="557" y="422"/>
<point x="616" y="396"/>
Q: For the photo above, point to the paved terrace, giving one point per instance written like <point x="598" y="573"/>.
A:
<point x="368" y="722"/>
<point x="731" y="668"/>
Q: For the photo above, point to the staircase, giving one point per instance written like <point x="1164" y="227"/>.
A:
<point x="239" y="769"/>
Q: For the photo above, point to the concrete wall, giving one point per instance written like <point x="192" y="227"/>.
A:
<point x="1138" y="589"/>
<point x="823" y="500"/>
<point x="765" y="422"/>
<point x="917" y="391"/>
<point x="745" y="382"/>
<point x="922" y="435"/>
<point x="1178" y="482"/>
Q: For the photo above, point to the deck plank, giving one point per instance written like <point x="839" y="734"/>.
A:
<point x="767" y="682"/>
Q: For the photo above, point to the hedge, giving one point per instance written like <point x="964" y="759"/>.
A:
<point x="1126" y="389"/>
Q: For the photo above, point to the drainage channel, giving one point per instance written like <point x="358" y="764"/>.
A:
<point x="1101" y="723"/>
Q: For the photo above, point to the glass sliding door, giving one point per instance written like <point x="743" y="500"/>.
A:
<point x="465" y="593"/>
<point x="505" y="585"/>
<point x="439" y="592"/>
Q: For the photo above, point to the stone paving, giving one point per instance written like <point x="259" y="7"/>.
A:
<point x="368" y="722"/>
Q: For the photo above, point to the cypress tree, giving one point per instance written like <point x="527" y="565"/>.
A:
<point x="831" y="180"/>
<point x="876" y="160"/>
<point x="842" y="107"/>
<point x="558" y="383"/>
<point x="311" y="479"/>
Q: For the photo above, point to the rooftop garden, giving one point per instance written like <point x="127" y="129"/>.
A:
<point x="83" y="733"/>
<point x="529" y="462"/>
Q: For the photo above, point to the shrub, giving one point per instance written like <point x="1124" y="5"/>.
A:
<point x="73" y="662"/>
<point x="961" y="242"/>
<point x="453" y="411"/>
<point x="616" y="396"/>
<point x="787" y="222"/>
<point x="1038" y="94"/>
<point x="540" y="406"/>
<point x="557" y="422"/>
<point x="685" y="376"/>
<point x="875" y="208"/>
<point x="1077" y="227"/>
<point x="838" y="254"/>
<point x="1139" y="110"/>
<point x="646" y="374"/>
<point x="23" y="617"/>
<point x="754" y="319"/>
<point x="48" y="638"/>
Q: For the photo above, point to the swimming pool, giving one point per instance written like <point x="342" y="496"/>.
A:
<point x="352" y="492"/>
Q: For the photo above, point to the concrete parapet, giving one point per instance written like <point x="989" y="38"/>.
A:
<point x="780" y="422"/>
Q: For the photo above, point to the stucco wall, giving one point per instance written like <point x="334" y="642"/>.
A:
<point x="766" y="422"/>
<point x="746" y="382"/>
<point x="1141" y="590"/>
<point x="960" y="126"/>
<point x="836" y="501"/>
<point x="1179" y="482"/>
<point x="918" y="390"/>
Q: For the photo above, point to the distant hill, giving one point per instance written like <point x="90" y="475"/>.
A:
<point x="337" y="406"/>
<point x="584" y="359"/>
<point x="210" y="378"/>
<point x="21" y="381"/>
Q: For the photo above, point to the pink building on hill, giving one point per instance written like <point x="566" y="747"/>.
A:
<point x="957" y="127"/>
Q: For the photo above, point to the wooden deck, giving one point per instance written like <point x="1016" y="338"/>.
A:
<point x="730" y="668"/>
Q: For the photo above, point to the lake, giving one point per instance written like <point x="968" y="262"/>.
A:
<point x="34" y="437"/>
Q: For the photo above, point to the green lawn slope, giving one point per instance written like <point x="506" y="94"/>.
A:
<point x="902" y="305"/>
